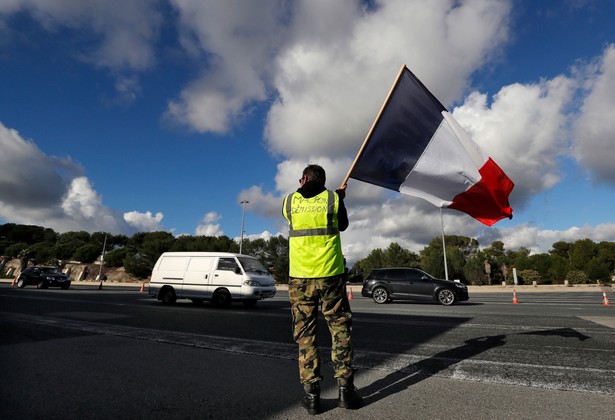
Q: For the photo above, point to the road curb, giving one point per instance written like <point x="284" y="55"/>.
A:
<point x="356" y="288"/>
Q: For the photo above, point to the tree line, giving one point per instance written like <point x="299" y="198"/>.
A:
<point x="579" y="262"/>
<point x="583" y="261"/>
<point x="137" y="254"/>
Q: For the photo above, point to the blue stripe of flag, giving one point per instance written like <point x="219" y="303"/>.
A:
<point x="408" y="121"/>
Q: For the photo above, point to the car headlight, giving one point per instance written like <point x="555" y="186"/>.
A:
<point x="460" y="285"/>
<point x="252" y="283"/>
<point x="48" y="278"/>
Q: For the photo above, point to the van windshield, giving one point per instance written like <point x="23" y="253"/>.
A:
<point x="252" y="265"/>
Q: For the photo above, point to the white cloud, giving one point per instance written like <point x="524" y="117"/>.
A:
<point x="595" y="128"/>
<point x="540" y="240"/>
<point x="235" y="41"/>
<point x="211" y="217"/>
<point x="127" y="89"/>
<point x="209" y="225"/>
<point x="336" y="68"/>
<point x="262" y="235"/>
<point x="126" y="30"/>
<point x="144" y="222"/>
<point x="48" y="191"/>
<point x="264" y="204"/>
<point x="81" y="201"/>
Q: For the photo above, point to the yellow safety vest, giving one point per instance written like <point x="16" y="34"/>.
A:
<point x="314" y="237"/>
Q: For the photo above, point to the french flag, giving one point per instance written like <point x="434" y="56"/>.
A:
<point x="416" y="147"/>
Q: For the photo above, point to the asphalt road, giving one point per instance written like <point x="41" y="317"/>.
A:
<point x="117" y="353"/>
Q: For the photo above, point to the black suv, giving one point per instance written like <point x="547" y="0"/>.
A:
<point x="385" y="284"/>
<point x="43" y="277"/>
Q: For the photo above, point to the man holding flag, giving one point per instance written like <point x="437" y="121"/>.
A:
<point x="315" y="217"/>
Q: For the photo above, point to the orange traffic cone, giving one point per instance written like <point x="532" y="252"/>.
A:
<point x="142" y="287"/>
<point x="14" y="281"/>
<point x="515" y="301"/>
<point x="605" y="300"/>
<point x="349" y="294"/>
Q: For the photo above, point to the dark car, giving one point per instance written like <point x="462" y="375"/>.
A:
<point x="43" y="277"/>
<point x="387" y="284"/>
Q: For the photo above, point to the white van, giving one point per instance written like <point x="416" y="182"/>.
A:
<point x="220" y="277"/>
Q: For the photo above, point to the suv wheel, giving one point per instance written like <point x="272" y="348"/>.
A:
<point x="21" y="283"/>
<point x="380" y="295"/>
<point x="446" y="297"/>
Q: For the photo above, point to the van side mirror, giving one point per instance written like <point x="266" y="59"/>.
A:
<point x="237" y="270"/>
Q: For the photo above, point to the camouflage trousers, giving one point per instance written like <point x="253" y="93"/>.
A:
<point x="306" y="295"/>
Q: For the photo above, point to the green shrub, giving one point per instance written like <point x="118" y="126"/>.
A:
<point x="87" y="253"/>
<point x="529" y="276"/>
<point x="116" y="257"/>
<point x="577" y="277"/>
<point x="16" y="250"/>
<point x="139" y="265"/>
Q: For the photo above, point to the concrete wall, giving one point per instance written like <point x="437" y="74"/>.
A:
<point x="76" y="271"/>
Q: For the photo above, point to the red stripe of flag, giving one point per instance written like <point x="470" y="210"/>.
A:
<point x="487" y="200"/>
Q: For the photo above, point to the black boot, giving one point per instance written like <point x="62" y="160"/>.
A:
<point x="311" y="401"/>
<point x="349" y="397"/>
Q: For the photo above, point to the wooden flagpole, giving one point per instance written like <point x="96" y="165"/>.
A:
<point x="369" y="133"/>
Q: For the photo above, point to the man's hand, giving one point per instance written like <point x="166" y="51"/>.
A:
<point x="341" y="191"/>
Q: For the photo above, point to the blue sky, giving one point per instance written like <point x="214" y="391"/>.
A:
<point x="145" y="115"/>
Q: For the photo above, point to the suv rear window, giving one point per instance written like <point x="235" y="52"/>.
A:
<point x="396" y="274"/>
<point x="377" y="274"/>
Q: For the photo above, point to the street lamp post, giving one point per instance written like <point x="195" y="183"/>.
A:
<point x="102" y="262"/>
<point x="243" y="203"/>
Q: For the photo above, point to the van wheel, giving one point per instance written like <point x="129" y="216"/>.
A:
<point x="222" y="298"/>
<point x="167" y="296"/>
<point x="250" y="303"/>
